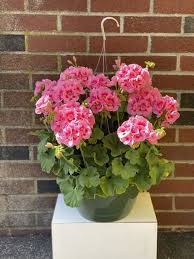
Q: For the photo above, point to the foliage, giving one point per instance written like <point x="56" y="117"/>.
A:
<point x="104" y="166"/>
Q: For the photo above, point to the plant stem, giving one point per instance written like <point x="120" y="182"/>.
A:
<point x="67" y="161"/>
<point x="107" y="125"/>
<point x="118" y="119"/>
<point x="83" y="157"/>
<point x="101" y="122"/>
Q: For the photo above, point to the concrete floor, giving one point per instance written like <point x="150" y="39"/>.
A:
<point x="170" y="246"/>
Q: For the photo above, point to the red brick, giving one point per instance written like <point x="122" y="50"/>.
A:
<point x="178" y="152"/>
<point x="20" y="136"/>
<point x="57" y="43"/>
<point x="184" y="170"/>
<point x="28" y="62"/>
<point x="3" y="203"/>
<point x="44" y="219"/>
<point x="17" y="219"/>
<point x="170" y="136"/>
<point x="162" y="62"/>
<point x="175" y="218"/>
<point x="119" y="44"/>
<point x="18" y="99"/>
<point x="125" y="6"/>
<point x="175" y="82"/>
<point x="186" y="135"/>
<point x="12" y="5"/>
<point x="175" y="6"/>
<point x="15" y="118"/>
<point x="172" y="44"/>
<point x="162" y="203"/>
<point x="15" y="22"/>
<point x="14" y="81"/>
<point x="174" y="186"/>
<point x="184" y="203"/>
<point x="187" y="63"/>
<point x="58" y="5"/>
<point x="22" y="170"/>
<point x="1" y="137"/>
<point x="87" y="24"/>
<point x="30" y="203"/>
<point x="16" y="186"/>
<point x="152" y="24"/>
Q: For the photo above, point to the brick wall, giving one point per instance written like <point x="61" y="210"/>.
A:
<point x="36" y="39"/>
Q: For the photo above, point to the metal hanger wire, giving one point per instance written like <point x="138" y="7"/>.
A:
<point x="103" y="52"/>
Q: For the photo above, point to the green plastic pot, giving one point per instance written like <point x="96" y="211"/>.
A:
<point x="108" y="209"/>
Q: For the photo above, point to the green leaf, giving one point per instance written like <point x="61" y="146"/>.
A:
<point x="68" y="166"/>
<point x="106" y="186"/>
<point x="66" y="184"/>
<point x="113" y="143"/>
<point x="100" y="155"/>
<point x="125" y="171"/>
<point x="162" y="169"/>
<point x="117" y="166"/>
<point x="97" y="134"/>
<point x="89" y="177"/>
<point x="129" y="171"/>
<point x="143" y="182"/>
<point x="74" y="197"/>
<point x="134" y="157"/>
<point x="120" y="185"/>
<point x="47" y="160"/>
<point x="72" y="194"/>
<point x="114" y="185"/>
<point x="153" y="155"/>
<point x="109" y="172"/>
<point x="42" y="146"/>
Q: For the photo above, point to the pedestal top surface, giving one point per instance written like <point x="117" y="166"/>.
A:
<point x="142" y="212"/>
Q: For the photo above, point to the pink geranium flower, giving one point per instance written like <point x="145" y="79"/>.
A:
<point x="131" y="78"/>
<point x="137" y="129"/>
<point x="72" y="124"/>
<point x="45" y="86"/>
<point x="43" y="105"/>
<point x="81" y="74"/>
<point x="103" y="99"/>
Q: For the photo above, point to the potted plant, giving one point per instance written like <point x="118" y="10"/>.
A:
<point x="101" y="135"/>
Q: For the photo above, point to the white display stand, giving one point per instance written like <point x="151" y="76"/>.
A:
<point x="134" y="237"/>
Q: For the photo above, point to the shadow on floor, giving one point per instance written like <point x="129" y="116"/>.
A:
<point x="171" y="245"/>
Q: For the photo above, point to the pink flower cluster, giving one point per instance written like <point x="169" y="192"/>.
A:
<point x="102" y="98"/>
<point x="149" y="100"/>
<point x="99" y="80"/>
<point x="72" y="123"/>
<point x="141" y="103"/>
<point x="81" y="74"/>
<point x="68" y="90"/>
<point x="137" y="129"/>
<point x="131" y="78"/>
<point x="170" y="111"/>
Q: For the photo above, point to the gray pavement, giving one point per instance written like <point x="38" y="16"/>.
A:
<point x="171" y="245"/>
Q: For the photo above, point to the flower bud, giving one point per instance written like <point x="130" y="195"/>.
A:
<point x="161" y="133"/>
<point x="58" y="151"/>
<point x="49" y="145"/>
<point x="135" y="145"/>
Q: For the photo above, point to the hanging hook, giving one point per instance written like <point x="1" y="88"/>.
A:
<point x="102" y="25"/>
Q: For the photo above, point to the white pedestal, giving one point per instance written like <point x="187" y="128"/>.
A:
<point x="134" y="237"/>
